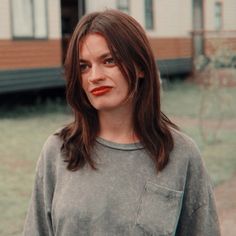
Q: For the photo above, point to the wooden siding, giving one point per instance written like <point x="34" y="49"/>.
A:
<point x="171" y="48"/>
<point x="19" y="54"/>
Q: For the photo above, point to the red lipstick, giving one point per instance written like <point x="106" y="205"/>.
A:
<point x="101" y="90"/>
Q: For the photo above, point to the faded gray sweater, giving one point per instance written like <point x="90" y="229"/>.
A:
<point x="125" y="196"/>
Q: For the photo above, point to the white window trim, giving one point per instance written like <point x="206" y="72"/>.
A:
<point x="37" y="27"/>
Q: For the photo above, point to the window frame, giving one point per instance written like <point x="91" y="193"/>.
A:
<point x="218" y="16"/>
<point x="123" y="8"/>
<point x="33" y="36"/>
<point x="149" y="14"/>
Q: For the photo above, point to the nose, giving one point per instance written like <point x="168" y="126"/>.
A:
<point x="96" y="74"/>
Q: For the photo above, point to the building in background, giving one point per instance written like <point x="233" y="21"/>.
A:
<point x="34" y="34"/>
<point x="30" y="44"/>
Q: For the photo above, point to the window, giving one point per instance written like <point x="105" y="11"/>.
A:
<point x="29" y="18"/>
<point x="123" y="5"/>
<point x="149" y="14"/>
<point x="218" y="15"/>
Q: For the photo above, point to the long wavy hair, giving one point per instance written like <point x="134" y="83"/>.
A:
<point x="130" y="48"/>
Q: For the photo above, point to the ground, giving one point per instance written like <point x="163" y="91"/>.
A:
<point x="225" y="193"/>
<point x="226" y="204"/>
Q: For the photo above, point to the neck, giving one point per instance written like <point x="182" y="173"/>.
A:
<point x="116" y="126"/>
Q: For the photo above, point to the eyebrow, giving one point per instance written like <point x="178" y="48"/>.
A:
<point x="103" y="56"/>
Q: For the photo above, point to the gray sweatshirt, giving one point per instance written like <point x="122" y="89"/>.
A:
<point x="125" y="196"/>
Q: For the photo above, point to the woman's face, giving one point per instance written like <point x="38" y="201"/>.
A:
<point x="102" y="80"/>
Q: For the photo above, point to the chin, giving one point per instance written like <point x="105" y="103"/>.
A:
<point x="104" y="107"/>
<point x="107" y="105"/>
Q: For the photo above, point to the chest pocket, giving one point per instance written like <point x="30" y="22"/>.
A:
<point x="159" y="210"/>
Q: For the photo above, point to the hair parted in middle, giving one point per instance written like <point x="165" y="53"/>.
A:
<point x="130" y="48"/>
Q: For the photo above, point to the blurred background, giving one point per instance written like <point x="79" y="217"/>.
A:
<point x="194" y="43"/>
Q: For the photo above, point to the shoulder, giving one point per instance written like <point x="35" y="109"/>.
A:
<point x="185" y="146"/>
<point x="182" y="140"/>
<point x="186" y="152"/>
<point x="50" y="155"/>
<point x="52" y="144"/>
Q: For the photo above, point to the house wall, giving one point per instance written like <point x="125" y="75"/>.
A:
<point x="171" y="36"/>
<point x="33" y="63"/>
<point x="100" y="5"/>
<point x="5" y="26"/>
<point x="229" y="19"/>
<point x="54" y="19"/>
<point x="170" y="48"/>
<point x="174" y="22"/>
<point x="226" y="38"/>
<point x="30" y="53"/>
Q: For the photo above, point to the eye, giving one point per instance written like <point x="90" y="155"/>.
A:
<point x="83" y="67"/>
<point x="109" y="61"/>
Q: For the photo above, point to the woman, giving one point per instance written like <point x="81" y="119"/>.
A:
<point x="121" y="167"/>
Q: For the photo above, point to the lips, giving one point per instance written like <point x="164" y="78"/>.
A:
<point x="99" y="91"/>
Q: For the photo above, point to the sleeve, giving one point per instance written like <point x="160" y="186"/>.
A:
<point x="198" y="215"/>
<point x="38" y="220"/>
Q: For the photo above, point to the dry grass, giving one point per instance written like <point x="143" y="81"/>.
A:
<point x="24" y="129"/>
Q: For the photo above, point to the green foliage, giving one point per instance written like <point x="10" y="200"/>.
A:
<point x="216" y="74"/>
<point x="223" y="57"/>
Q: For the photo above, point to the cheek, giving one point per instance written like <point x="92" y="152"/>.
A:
<point x="84" y="84"/>
<point x="124" y="86"/>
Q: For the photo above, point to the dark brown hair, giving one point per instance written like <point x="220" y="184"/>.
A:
<point x="130" y="47"/>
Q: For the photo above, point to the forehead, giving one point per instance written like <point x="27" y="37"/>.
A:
<point x="93" y="44"/>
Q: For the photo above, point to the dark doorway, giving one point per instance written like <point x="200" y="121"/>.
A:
<point x="71" y="12"/>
